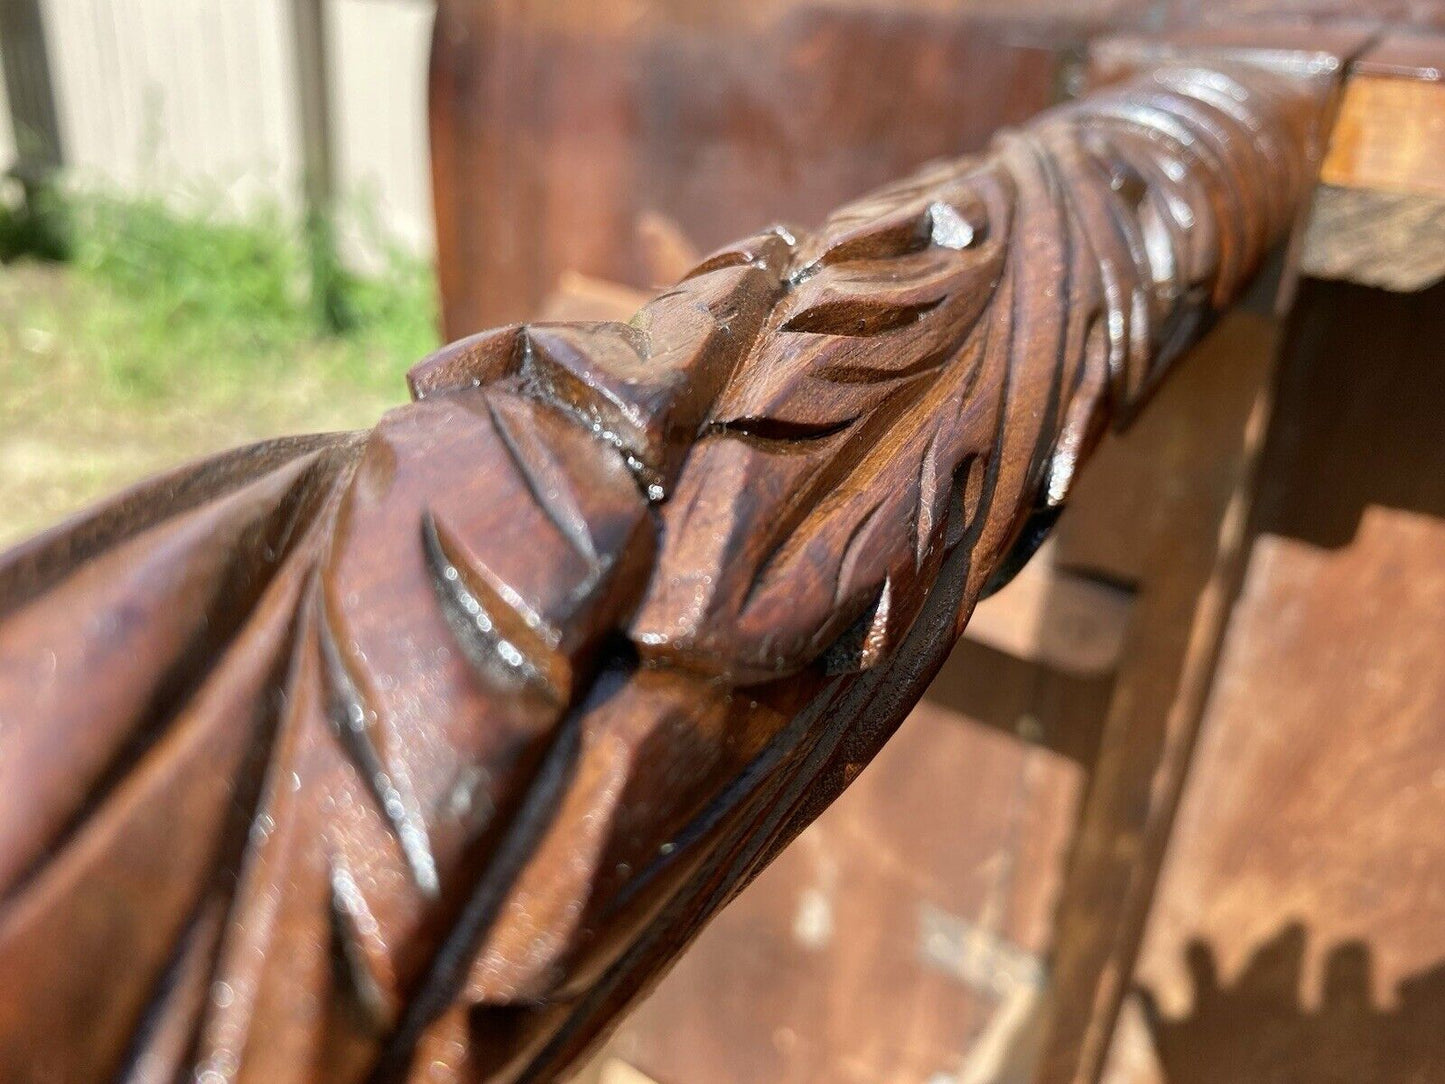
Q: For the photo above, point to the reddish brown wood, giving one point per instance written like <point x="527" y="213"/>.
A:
<point x="1296" y="935"/>
<point x="890" y="937"/>
<point x="598" y="137"/>
<point x="420" y="755"/>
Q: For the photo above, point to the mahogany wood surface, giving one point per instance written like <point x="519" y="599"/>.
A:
<point x="419" y="754"/>
<point x="590" y="137"/>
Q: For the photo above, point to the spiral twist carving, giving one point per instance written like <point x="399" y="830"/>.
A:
<point x="417" y="754"/>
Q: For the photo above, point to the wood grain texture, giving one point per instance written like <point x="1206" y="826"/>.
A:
<point x="419" y="755"/>
<point x="1295" y="936"/>
<point x="594" y="136"/>
<point x="1388" y="136"/>
<point x="1393" y="240"/>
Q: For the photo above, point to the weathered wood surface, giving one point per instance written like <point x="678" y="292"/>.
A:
<point x="1296" y="936"/>
<point x="419" y="754"/>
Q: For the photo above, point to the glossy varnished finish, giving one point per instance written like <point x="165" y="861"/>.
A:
<point x="419" y="755"/>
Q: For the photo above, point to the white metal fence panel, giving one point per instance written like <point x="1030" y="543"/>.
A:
<point x="379" y="51"/>
<point x="200" y="95"/>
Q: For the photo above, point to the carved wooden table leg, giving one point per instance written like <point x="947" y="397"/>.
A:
<point x="419" y="754"/>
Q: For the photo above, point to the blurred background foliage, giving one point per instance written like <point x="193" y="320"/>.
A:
<point x="136" y="333"/>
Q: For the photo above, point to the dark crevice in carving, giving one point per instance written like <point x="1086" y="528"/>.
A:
<point x="902" y="237"/>
<point x="856" y="537"/>
<point x="776" y="434"/>
<point x="853" y="373"/>
<point x="858" y="319"/>
<point x="928" y="482"/>
<point x="744" y="255"/>
<point x="966" y="498"/>
<point x="502" y="644"/>
<point x="547" y="389"/>
<point x="200" y="929"/>
<point x="443" y="981"/>
<point x="550" y="493"/>
<point x="1035" y="530"/>
<point x="856" y="647"/>
<point x="357" y="725"/>
<point x="347" y="956"/>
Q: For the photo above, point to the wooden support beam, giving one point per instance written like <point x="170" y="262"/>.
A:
<point x="1379" y="215"/>
<point x="1202" y="444"/>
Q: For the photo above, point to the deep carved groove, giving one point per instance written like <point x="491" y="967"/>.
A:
<point x="851" y="319"/>
<point x="509" y="650"/>
<point x="356" y="724"/>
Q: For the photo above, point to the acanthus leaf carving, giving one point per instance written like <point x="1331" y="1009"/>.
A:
<point x="437" y="744"/>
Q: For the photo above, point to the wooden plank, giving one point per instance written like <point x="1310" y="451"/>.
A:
<point x="888" y="939"/>
<point x="714" y="118"/>
<point x="1390" y="135"/>
<point x="1031" y="702"/>
<point x="1192" y="459"/>
<point x="1297" y="932"/>
<point x="1057" y="618"/>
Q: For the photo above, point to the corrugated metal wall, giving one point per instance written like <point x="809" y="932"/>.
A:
<point x="200" y="94"/>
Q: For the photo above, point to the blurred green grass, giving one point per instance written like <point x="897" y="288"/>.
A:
<point x="164" y="335"/>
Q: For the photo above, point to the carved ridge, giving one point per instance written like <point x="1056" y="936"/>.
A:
<point x="585" y="633"/>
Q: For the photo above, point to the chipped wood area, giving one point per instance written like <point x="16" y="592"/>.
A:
<point x="1392" y="240"/>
